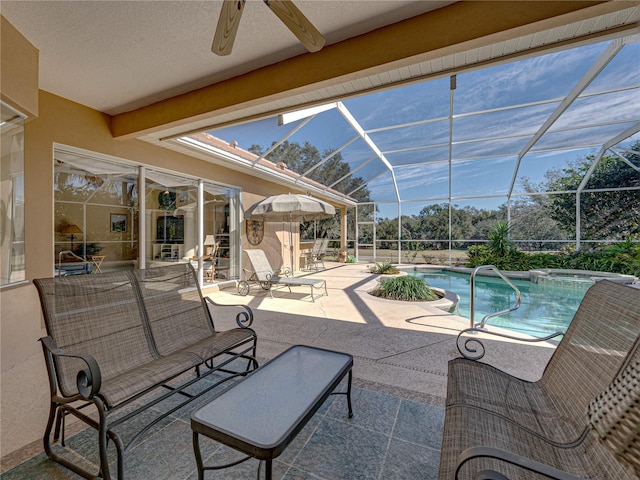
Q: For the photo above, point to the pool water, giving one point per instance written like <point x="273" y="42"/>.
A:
<point x="544" y="309"/>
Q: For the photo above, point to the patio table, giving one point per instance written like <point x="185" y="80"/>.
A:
<point x="262" y="413"/>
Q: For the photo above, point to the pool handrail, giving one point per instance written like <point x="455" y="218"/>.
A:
<point x="472" y="296"/>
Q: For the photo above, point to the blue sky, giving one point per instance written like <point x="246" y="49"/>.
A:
<point x="486" y="142"/>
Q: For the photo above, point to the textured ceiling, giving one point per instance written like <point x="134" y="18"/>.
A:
<point x="115" y="56"/>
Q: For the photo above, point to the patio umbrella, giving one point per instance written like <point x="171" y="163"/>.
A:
<point x="292" y="208"/>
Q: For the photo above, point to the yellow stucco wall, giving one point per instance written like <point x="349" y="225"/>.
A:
<point x="18" y="70"/>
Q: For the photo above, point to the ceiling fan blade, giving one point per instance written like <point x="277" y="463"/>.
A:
<point x="293" y="18"/>
<point x="227" y="26"/>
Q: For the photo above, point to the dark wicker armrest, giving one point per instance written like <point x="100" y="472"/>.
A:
<point x="244" y="319"/>
<point x="511" y="458"/>
<point x="471" y="353"/>
<point x="88" y="380"/>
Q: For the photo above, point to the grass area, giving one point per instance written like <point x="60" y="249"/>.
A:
<point x="435" y="257"/>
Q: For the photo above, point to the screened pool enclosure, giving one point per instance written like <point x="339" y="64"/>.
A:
<point x="549" y="143"/>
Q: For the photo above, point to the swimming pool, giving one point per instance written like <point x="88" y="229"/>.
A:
<point x="545" y="309"/>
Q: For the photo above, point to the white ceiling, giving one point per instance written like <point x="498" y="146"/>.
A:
<point x="116" y="56"/>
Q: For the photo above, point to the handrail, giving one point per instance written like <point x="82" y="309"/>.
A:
<point x="472" y="285"/>
<point x="68" y="252"/>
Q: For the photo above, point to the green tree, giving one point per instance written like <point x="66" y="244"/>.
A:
<point x="605" y="215"/>
<point x="434" y="223"/>
<point x="530" y="221"/>
<point x="306" y="159"/>
<point x="387" y="229"/>
<point x="482" y="220"/>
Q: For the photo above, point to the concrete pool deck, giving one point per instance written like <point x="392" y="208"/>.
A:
<point x="395" y="344"/>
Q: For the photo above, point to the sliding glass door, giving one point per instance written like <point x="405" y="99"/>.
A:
<point x="97" y="216"/>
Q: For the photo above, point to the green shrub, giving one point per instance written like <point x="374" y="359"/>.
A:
<point x="476" y="253"/>
<point x="623" y="258"/>
<point x="407" y="288"/>
<point x="511" y="260"/>
<point x="384" y="268"/>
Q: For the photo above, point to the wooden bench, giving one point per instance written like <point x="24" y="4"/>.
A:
<point x="117" y="337"/>
<point x="498" y="426"/>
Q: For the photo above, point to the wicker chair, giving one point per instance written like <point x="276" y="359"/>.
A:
<point x="499" y="426"/>
<point x="615" y="415"/>
<point x="488" y="446"/>
<point x="603" y="330"/>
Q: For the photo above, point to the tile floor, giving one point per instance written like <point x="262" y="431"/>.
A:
<point x="390" y="437"/>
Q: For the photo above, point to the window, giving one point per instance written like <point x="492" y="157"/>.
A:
<point x="95" y="213"/>
<point x="12" y="261"/>
<point x="172" y="233"/>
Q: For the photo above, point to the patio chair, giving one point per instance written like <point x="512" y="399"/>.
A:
<point x="267" y="277"/>
<point x="318" y="253"/>
<point x="481" y="444"/>
<point x="604" y="328"/>
<point x="312" y="253"/>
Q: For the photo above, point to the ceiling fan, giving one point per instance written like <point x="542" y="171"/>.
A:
<point x="286" y="11"/>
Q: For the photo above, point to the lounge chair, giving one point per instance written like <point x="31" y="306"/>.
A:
<point x="262" y="272"/>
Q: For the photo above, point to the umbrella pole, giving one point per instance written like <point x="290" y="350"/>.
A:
<point x="293" y="270"/>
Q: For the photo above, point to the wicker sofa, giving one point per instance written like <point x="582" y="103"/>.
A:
<point x="123" y="342"/>
<point x="498" y="426"/>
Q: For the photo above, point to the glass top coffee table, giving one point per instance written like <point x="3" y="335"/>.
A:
<point x="262" y="413"/>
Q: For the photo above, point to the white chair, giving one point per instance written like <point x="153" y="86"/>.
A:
<point x="262" y="272"/>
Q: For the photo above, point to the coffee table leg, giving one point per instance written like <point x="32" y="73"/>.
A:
<point x="196" y="450"/>
<point x="349" y="395"/>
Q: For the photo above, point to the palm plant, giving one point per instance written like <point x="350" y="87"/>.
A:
<point x="384" y="268"/>
<point x="499" y="243"/>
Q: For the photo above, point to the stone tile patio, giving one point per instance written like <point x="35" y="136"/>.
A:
<point x="400" y="363"/>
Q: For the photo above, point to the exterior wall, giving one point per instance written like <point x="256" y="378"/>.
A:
<point x="276" y="234"/>
<point x="18" y="70"/>
<point x="24" y="401"/>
